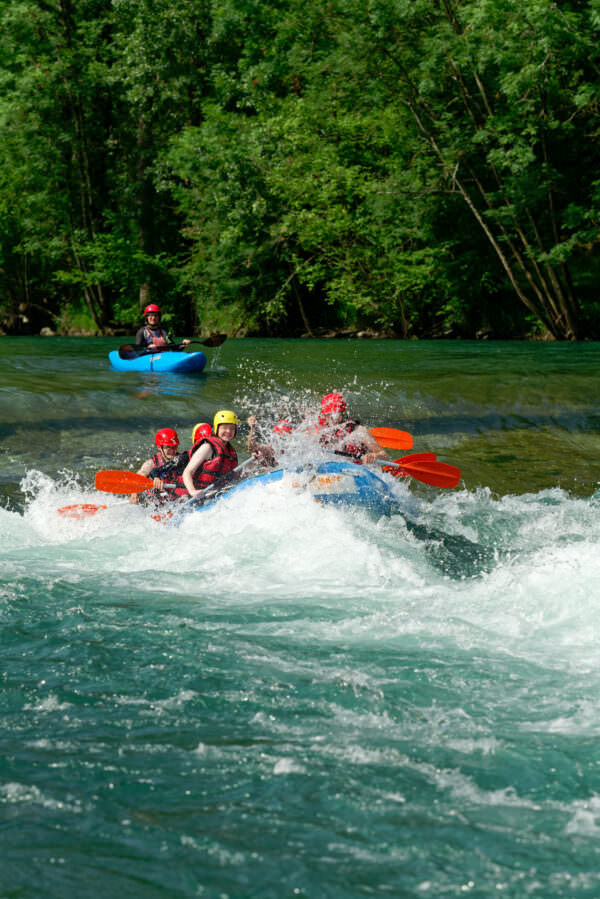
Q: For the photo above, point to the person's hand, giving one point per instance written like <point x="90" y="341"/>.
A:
<point x="264" y="455"/>
<point x="369" y="458"/>
<point x="185" y="342"/>
<point x="252" y="421"/>
<point x="158" y="484"/>
<point x="133" y="498"/>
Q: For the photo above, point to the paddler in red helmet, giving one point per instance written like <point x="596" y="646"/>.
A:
<point x="340" y="433"/>
<point x="165" y="467"/>
<point x="151" y="334"/>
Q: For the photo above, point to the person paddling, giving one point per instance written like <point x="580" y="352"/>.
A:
<point x="345" y="435"/>
<point x="265" y="452"/>
<point x="213" y="457"/>
<point x="151" y="334"/>
<point x="165" y="467"/>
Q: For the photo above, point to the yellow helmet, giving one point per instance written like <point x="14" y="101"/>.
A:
<point x="225" y="417"/>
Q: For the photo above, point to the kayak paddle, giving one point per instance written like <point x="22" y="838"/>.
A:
<point x="438" y="474"/>
<point x="127" y="351"/>
<point x="392" y="438"/>
<point x="114" y="481"/>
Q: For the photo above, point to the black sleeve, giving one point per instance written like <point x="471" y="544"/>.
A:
<point x="141" y="339"/>
<point x="177" y="466"/>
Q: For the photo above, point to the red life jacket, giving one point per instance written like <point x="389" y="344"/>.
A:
<point x="150" y="335"/>
<point x="171" y="477"/>
<point x="357" y="450"/>
<point x="222" y="462"/>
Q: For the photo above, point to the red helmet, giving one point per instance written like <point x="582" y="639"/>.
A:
<point x="151" y="308"/>
<point x="201" y="431"/>
<point x="333" y="402"/>
<point x="283" y="426"/>
<point x="166" y="437"/>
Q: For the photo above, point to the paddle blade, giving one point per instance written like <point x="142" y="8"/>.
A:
<point x="416" y="457"/>
<point x="114" y="481"/>
<point x="392" y="438"/>
<point x="215" y="340"/>
<point x="126" y="351"/>
<point x="413" y="458"/>
<point x="438" y="474"/>
<point x="80" y="510"/>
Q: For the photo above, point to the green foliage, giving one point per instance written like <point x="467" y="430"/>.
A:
<point x="423" y="168"/>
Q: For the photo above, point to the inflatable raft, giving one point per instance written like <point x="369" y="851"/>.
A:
<point x="171" y="361"/>
<point x="337" y="483"/>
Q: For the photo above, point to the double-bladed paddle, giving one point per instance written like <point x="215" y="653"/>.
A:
<point x="128" y="351"/>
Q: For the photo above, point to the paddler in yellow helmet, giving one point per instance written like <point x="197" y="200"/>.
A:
<point x="215" y="456"/>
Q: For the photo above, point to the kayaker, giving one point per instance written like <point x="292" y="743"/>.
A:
<point x="214" y="457"/>
<point x="165" y="468"/>
<point x="151" y="334"/>
<point x="346" y="435"/>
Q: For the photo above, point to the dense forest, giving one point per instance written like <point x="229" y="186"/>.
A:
<point x="412" y="168"/>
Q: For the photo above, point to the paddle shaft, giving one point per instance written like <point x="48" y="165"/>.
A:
<point x="214" y="488"/>
<point x="217" y="340"/>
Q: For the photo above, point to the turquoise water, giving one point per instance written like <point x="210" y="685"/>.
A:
<point x="283" y="699"/>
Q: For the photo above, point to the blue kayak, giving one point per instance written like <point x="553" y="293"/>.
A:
<point x="171" y="361"/>
<point x="334" y="483"/>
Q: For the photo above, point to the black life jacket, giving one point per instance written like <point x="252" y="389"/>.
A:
<point x="171" y="472"/>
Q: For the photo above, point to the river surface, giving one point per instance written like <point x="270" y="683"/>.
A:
<point x="279" y="698"/>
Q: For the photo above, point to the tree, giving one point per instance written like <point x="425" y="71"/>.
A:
<point x="504" y="96"/>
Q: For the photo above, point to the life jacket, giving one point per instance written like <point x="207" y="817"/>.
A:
<point x="150" y="334"/>
<point x="222" y="462"/>
<point x="338" y="437"/>
<point x="171" y="473"/>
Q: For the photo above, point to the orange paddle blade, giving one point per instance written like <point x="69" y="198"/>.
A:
<point x="416" y="457"/>
<point x="392" y="438"/>
<point x="438" y="474"/>
<point x="80" y="510"/>
<point x="114" y="481"/>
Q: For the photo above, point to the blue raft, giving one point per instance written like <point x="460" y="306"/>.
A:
<point x="334" y="483"/>
<point x="171" y="361"/>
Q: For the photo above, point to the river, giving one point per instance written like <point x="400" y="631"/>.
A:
<point x="279" y="698"/>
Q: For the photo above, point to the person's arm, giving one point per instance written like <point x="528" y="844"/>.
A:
<point x="202" y="454"/>
<point x="171" y="339"/>
<point x="145" y="470"/>
<point x="252" y="441"/>
<point x="375" y="451"/>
